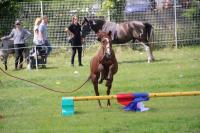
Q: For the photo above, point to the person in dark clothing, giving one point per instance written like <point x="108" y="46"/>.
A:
<point x="76" y="41"/>
<point x="19" y="35"/>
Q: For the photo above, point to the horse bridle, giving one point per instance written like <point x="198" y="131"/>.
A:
<point x="106" y="49"/>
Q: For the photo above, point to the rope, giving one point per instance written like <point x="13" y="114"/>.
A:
<point x="42" y="86"/>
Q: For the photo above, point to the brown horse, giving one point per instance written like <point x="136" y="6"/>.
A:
<point x="104" y="64"/>
<point x="123" y="32"/>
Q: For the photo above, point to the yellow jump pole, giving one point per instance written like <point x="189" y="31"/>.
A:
<point x="174" y="94"/>
<point x="68" y="102"/>
<point x="151" y="95"/>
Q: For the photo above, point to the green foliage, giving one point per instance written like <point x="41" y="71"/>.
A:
<point x="194" y="11"/>
<point x="115" y="7"/>
<point x="108" y="4"/>
<point x="8" y="9"/>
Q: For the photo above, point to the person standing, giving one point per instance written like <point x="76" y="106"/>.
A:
<point x="76" y="42"/>
<point x="43" y="34"/>
<point x="19" y="36"/>
<point x="38" y="20"/>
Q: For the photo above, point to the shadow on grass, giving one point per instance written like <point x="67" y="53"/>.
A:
<point x="49" y="68"/>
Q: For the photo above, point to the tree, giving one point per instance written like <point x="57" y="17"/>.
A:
<point x="193" y="12"/>
<point x="115" y="7"/>
<point x="8" y="11"/>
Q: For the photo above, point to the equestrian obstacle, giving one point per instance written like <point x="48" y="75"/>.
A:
<point x="68" y="102"/>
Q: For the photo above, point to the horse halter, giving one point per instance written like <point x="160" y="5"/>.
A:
<point x="106" y="47"/>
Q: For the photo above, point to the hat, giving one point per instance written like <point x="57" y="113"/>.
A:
<point x="17" y="22"/>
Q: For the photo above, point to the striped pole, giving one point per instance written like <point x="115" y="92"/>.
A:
<point x="68" y="102"/>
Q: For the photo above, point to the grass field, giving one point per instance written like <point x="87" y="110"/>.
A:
<point x="26" y="108"/>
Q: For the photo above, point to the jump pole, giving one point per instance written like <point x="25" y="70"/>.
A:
<point x="68" y="102"/>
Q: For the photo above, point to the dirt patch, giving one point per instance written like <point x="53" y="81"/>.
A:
<point x="1" y="116"/>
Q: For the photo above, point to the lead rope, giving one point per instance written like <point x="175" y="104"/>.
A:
<point x="42" y="86"/>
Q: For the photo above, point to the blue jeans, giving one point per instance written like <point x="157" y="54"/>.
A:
<point x="49" y="48"/>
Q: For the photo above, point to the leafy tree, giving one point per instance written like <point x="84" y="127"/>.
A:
<point x="8" y="11"/>
<point x="115" y="7"/>
<point x="194" y="12"/>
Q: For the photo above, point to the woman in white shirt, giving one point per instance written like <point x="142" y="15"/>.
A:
<point x="38" y="20"/>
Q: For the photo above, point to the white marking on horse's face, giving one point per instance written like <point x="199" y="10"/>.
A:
<point x="93" y="22"/>
<point x="108" y="48"/>
<point x="141" y="33"/>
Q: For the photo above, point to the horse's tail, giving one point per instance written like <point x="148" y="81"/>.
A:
<point x="150" y="33"/>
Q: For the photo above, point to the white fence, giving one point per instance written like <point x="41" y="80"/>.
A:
<point x="175" y="23"/>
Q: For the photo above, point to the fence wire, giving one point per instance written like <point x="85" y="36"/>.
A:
<point x="160" y="13"/>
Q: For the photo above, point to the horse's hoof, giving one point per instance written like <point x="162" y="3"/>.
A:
<point x="151" y="60"/>
<point x="108" y="105"/>
<point x="101" y="81"/>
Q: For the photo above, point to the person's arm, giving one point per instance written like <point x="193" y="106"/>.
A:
<point x="9" y="36"/>
<point x="69" y="31"/>
<point x="27" y="34"/>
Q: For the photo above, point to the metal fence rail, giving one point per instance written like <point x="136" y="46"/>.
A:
<point x="174" y="24"/>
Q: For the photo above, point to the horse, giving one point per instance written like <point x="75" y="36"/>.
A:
<point x="7" y="48"/>
<point x="104" y="64"/>
<point x="124" y="32"/>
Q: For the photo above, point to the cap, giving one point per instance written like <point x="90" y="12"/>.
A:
<point x="17" y="22"/>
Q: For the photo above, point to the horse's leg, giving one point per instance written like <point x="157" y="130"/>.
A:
<point x="5" y="61"/>
<point x="102" y="73"/>
<point x="149" y="53"/>
<point x="151" y="50"/>
<point x="95" y="84"/>
<point x="109" y="81"/>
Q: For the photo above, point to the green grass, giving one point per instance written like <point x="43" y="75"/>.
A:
<point x="27" y="108"/>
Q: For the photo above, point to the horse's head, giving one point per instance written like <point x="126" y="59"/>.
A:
<point x="94" y="24"/>
<point x="106" y="42"/>
<point x="85" y="27"/>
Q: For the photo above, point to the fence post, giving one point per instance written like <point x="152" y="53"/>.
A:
<point x="41" y="9"/>
<point x="36" y="58"/>
<point x="175" y="28"/>
<point x="108" y="15"/>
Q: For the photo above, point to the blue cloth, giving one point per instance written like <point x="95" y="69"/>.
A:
<point x="138" y="97"/>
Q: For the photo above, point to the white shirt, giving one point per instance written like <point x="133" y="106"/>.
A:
<point x="36" y="35"/>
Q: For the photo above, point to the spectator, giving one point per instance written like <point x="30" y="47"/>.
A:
<point x="43" y="34"/>
<point x="76" y="42"/>
<point x="38" y="20"/>
<point x="167" y="4"/>
<point x="19" y="36"/>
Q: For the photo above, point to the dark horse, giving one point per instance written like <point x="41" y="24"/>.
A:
<point x="123" y="32"/>
<point x="6" y="48"/>
<point x="104" y="64"/>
